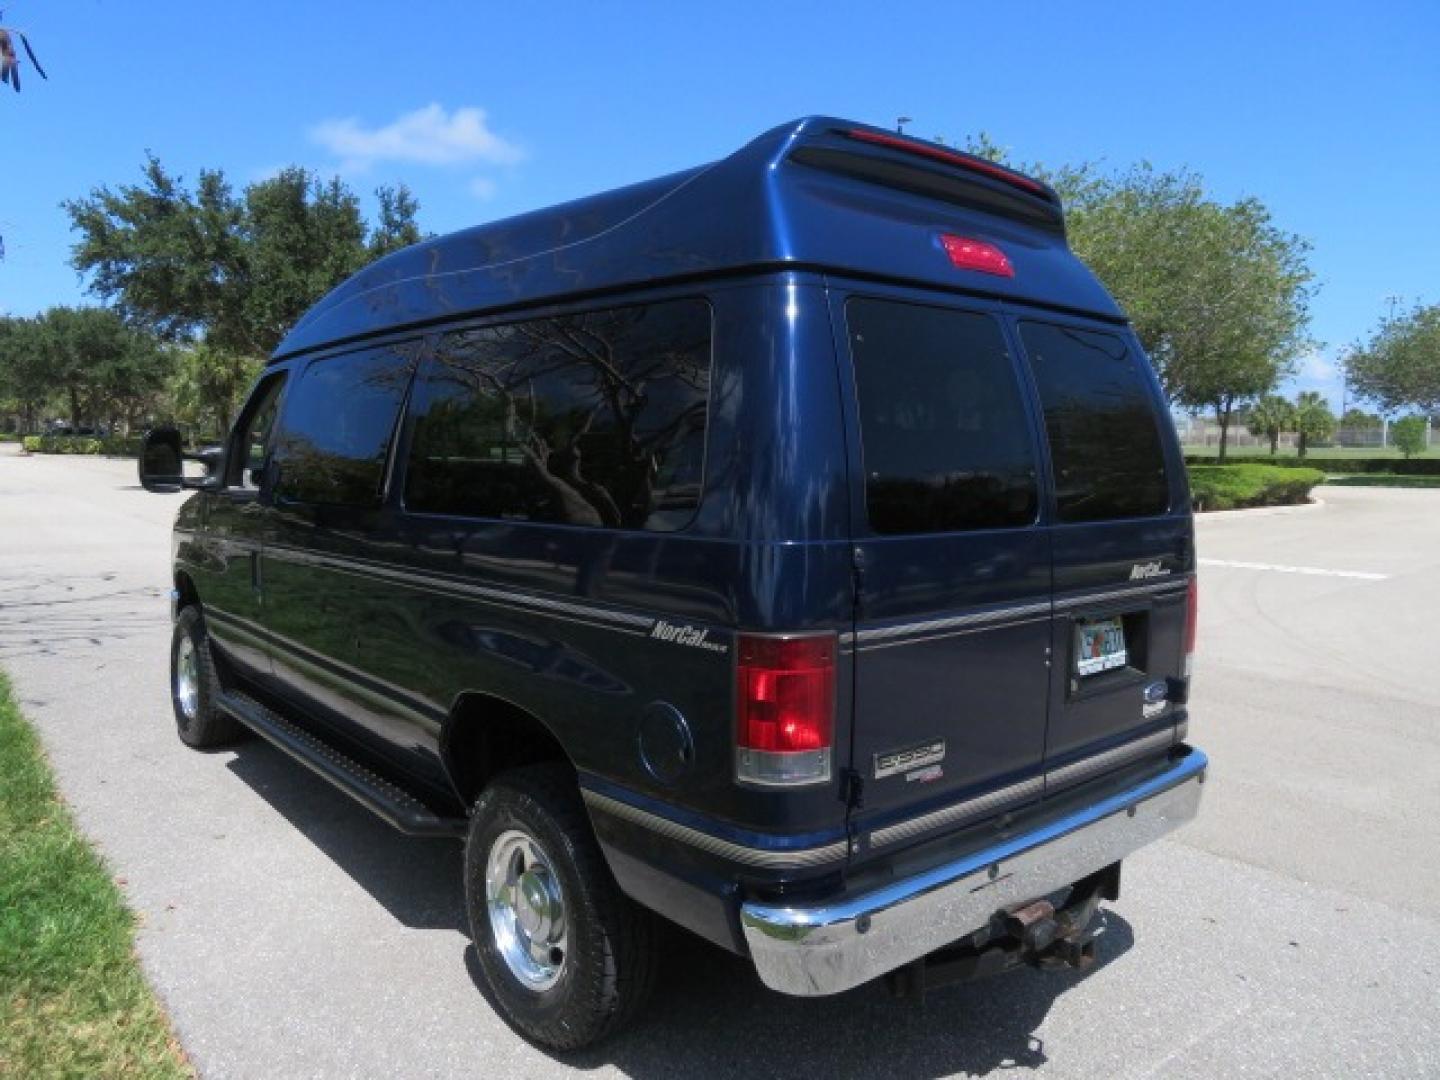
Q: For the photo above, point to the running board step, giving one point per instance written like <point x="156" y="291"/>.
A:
<point x="370" y="790"/>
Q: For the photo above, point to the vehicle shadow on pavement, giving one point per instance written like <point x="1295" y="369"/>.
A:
<point x="418" y="881"/>
<point x="711" y="1016"/>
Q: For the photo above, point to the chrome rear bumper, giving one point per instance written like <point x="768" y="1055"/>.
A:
<point x="831" y="947"/>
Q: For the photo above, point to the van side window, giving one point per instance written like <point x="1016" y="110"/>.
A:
<point x="588" y="419"/>
<point x="336" y="427"/>
<point x="1102" y="421"/>
<point x="251" y="439"/>
<point x="943" y="429"/>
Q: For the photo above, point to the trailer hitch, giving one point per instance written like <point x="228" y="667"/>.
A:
<point x="1035" y="934"/>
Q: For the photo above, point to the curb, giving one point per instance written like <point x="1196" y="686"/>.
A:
<point x="1262" y="511"/>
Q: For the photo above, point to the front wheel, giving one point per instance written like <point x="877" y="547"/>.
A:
<point x="193" y="687"/>
<point x="568" y="957"/>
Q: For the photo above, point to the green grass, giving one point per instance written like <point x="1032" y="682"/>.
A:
<point x="73" y="1002"/>
<point x="1382" y="480"/>
<point x="1232" y="487"/>
<point x="1314" y="451"/>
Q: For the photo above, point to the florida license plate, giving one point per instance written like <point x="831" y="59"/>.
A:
<point x="1100" y="646"/>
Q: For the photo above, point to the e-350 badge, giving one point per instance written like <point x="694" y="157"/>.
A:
<point x="911" y="758"/>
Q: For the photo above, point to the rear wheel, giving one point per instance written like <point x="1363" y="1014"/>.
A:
<point x="194" y="686"/>
<point x="568" y="957"/>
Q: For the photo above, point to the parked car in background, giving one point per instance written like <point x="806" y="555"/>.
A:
<point x="796" y="548"/>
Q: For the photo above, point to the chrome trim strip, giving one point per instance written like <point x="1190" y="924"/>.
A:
<point x="1175" y="582"/>
<point x="435" y="582"/>
<point x="977" y="807"/>
<point x="833" y="946"/>
<point x="1109" y="759"/>
<point x="749" y="856"/>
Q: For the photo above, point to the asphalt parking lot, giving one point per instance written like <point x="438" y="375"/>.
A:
<point x="1293" y="930"/>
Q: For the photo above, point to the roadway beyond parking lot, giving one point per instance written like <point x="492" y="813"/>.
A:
<point x="1294" y="930"/>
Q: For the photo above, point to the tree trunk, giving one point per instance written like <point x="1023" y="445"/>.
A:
<point x="1274" y="443"/>
<point x="1300" y="451"/>
<point x="74" y="408"/>
<point x="1224" y="408"/>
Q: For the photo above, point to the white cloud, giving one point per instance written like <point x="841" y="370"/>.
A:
<point x="483" y="188"/>
<point x="427" y="136"/>
<point x="1314" y="367"/>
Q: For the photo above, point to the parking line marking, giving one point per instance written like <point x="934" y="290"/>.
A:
<point x="1315" y="571"/>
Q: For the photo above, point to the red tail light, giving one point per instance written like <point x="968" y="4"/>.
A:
<point x="970" y="254"/>
<point x="785" y="708"/>
<point x="1192" y="609"/>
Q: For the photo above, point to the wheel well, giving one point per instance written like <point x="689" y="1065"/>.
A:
<point x="187" y="592"/>
<point x="486" y="735"/>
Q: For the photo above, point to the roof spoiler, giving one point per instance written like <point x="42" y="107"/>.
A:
<point x="931" y="170"/>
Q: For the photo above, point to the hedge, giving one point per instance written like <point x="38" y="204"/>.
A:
<point x="1426" y="466"/>
<point x="1232" y="487"/>
<point x="119" y="445"/>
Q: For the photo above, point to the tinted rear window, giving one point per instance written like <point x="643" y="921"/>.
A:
<point x="943" y="428"/>
<point x="1102" y="422"/>
<point x="589" y="419"/>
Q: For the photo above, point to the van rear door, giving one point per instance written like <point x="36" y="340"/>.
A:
<point x="953" y="594"/>
<point x="1121" y="542"/>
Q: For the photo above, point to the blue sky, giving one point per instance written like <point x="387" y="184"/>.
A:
<point x="1328" y="112"/>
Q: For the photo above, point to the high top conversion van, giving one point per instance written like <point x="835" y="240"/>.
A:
<point x="796" y="548"/>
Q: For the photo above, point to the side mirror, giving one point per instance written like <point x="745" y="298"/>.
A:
<point x="160" y="461"/>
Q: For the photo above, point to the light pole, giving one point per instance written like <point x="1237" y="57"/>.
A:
<point x="900" y="122"/>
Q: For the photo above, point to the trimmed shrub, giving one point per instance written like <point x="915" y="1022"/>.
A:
<point x="1234" y="487"/>
<point x="1422" y="466"/>
<point x="116" y="445"/>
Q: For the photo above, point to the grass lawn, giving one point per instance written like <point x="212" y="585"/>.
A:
<point x="1315" y="451"/>
<point x="1382" y="480"/>
<point x="72" y="999"/>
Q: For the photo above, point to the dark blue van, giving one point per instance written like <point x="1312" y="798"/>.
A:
<point x="797" y="548"/>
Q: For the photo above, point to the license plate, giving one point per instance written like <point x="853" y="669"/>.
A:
<point x="1099" y="646"/>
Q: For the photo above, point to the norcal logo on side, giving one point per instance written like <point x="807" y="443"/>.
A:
<point x="1142" y="570"/>
<point x="692" y="636"/>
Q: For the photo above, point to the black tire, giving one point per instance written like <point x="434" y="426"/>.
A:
<point x="611" y="953"/>
<point x="200" y="725"/>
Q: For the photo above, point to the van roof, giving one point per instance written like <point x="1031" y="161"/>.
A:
<point x="815" y="194"/>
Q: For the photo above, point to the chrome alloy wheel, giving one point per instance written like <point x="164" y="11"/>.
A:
<point x="187" y="678"/>
<point x="527" y="910"/>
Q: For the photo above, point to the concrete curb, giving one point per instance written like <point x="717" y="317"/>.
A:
<point x="1262" y="511"/>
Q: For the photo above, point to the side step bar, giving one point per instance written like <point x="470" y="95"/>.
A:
<point x="371" y="791"/>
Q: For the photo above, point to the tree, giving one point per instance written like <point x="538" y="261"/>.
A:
<point x="1400" y="365"/>
<point x="1314" y="422"/>
<point x="1408" y="435"/>
<point x="25" y="385"/>
<point x="99" y="368"/>
<point x="208" y="386"/>
<point x="1271" y="417"/>
<point x="1218" y="295"/>
<point x="238" y="270"/>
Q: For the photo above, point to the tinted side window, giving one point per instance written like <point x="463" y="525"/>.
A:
<point x="1102" y="422"/>
<point x="943" y="429"/>
<point x="335" y="432"/>
<point x="252" y="435"/>
<point x="589" y="419"/>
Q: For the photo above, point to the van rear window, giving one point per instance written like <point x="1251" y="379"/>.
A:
<point x="943" y="429"/>
<point x="596" y="418"/>
<point x="1102" y="421"/>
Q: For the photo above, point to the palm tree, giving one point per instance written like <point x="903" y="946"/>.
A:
<point x="1313" y="419"/>
<point x="1270" y="417"/>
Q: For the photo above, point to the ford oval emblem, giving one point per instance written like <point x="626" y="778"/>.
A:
<point x="1156" y="692"/>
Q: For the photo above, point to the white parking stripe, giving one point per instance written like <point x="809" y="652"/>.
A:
<point x="1316" y="571"/>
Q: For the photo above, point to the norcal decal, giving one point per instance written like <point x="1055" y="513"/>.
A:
<point x="1143" y="570"/>
<point x="693" y="636"/>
